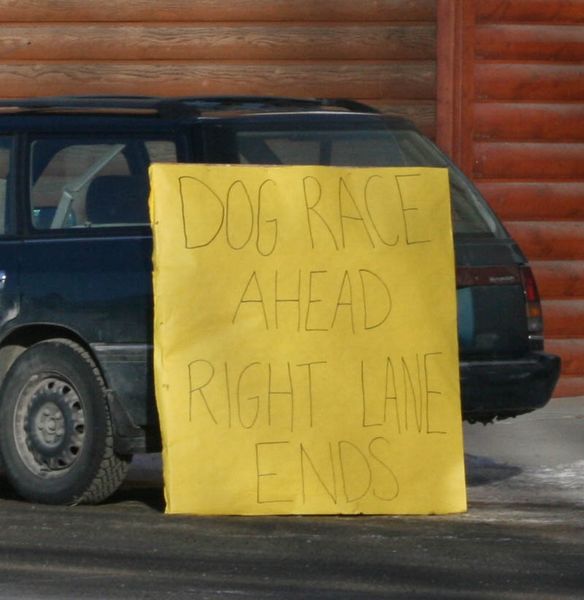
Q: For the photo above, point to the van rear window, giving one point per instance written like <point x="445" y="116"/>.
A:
<point x="352" y="146"/>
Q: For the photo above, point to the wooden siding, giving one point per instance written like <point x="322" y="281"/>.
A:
<point x="526" y="11"/>
<point x="530" y="42"/>
<point x="543" y="122"/>
<point x="382" y="52"/>
<point x="225" y="41"/>
<point x="516" y="100"/>
<point x="542" y="201"/>
<point x="123" y="11"/>
<point x="560" y="278"/>
<point x="549" y="240"/>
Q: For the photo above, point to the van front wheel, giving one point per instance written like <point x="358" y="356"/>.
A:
<point x="55" y="427"/>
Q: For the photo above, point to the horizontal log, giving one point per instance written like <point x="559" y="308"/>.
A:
<point x="556" y="11"/>
<point x="518" y="160"/>
<point x="520" y="201"/>
<point x="529" y="82"/>
<point x="571" y="353"/>
<point x="216" y="42"/>
<point x="41" y="11"/>
<point x="529" y="122"/>
<point x="569" y="387"/>
<point x="564" y="318"/>
<point x="530" y="42"/>
<point x="375" y="80"/>
<point x="549" y="240"/>
<point x="421" y="112"/>
<point x="559" y="279"/>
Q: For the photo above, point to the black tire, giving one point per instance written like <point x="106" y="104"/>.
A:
<point x="56" y="435"/>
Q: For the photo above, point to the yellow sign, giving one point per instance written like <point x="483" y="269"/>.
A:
<point x="306" y="357"/>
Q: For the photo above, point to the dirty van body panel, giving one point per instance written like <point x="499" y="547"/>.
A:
<point x="99" y="288"/>
<point x="10" y="240"/>
<point x="10" y="295"/>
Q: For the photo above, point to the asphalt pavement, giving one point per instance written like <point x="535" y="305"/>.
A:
<point x="522" y="537"/>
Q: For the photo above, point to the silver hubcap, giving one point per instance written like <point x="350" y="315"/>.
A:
<point x="49" y="425"/>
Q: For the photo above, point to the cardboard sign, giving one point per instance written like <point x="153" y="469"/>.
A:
<point x="306" y="357"/>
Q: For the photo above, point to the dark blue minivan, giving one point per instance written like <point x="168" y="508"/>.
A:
<point x="76" y="312"/>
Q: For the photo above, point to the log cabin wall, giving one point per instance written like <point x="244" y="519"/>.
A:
<point x="511" y="111"/>
<point x="379" y="51"/>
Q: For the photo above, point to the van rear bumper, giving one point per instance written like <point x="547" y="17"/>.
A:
<point x="505" y="388"/>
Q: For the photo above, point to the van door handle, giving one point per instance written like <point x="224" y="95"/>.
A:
<point x="3" y="278"/>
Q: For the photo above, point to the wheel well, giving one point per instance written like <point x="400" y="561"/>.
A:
<point x="13" y="345"/>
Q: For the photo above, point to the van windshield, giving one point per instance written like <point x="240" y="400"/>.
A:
<point x="309" y="143"/>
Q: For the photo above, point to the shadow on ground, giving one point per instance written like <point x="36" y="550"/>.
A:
<point x="481" y="470"/>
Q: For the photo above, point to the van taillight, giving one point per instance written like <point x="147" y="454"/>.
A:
<point x="533" y="308"/>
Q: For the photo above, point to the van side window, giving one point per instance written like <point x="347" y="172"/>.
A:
<point x="5" y="154"/>
<point x="82" y="183"/>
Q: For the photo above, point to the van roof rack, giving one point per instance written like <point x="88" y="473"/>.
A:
<point x="174" y="107"/>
